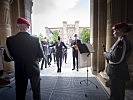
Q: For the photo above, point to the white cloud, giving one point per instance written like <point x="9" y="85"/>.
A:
<point x="49" y="6"/>
<point x="64" y="5"/>
<point x="51" y="13"/>
<point x="43" y="6"/>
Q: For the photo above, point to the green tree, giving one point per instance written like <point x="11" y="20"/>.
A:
<point x="41" y="37"/>
<point x="55" y="35"/>
<point x="85" y="35"/>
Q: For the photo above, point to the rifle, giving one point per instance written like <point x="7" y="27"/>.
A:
<point x="104" y="49"/>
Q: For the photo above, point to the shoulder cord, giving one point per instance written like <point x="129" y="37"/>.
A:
<point x="123" y="54"/>
<point x="8" y="54"/>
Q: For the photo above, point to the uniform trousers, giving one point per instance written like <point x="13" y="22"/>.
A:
<point x="117" y="89"/>
<point x="75" y="57"/>
<point x="21" y="87"/>
<point x="59" y="61"/>
<point x="65" y="57"/>
<point x="21" y="81"/>
<point x="43" y="60"/>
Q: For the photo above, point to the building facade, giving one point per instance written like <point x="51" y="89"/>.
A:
<point x="67" y="31"/>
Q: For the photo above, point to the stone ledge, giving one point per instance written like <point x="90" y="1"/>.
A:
<point x="6" y="79"/>
<point x="103" y="82"/>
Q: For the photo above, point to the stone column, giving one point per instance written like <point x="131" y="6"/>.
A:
<point x="102" y="23"/>
<point x="94" y="31"/>
<point x="130" y="35"/>
<point x="65" y="33"/>
<point x="109" y="38"/>
<point x="47" y="34"/>
<point x="113" y="7"/>
<point x="77" y="28"/>
<point x="5" y="28"/>
<point x="14" y="13"/>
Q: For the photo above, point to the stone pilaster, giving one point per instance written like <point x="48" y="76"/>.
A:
<point x="64" y="30"/>
<point x="47" y="34"/>
<point x="93" y="34"/>
<point x="102" y="24"/>
<point x="5" y="28"/>
<point x="129" y="19"/>
<point x="14" y="13"/>
<point x="77" y="28"/>
<point x="109" y="39"/>
<point x="125" y="14"/>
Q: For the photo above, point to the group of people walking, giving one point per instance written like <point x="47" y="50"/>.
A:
<point x="47" y="53"/>
<point x="59" y="51"/>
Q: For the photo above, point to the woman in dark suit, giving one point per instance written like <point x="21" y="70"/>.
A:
<point x="58" y="49"/>
<point x="118" y="57"/>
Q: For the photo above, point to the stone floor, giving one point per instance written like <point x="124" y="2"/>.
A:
<point x="66" y="69"/>
<point x="68" y="72"/>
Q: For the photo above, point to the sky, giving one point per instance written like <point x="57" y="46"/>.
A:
<point x="51" y="13"/>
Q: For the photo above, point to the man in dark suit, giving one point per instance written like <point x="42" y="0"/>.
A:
<point x="75" y="50"/>
<point x="58" y="49"/>
<point x="25" y="50"/>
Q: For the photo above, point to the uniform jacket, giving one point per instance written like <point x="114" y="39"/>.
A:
<point x="74" y="43"/>
<point x="44" y="44"/>
<point x="25" y="51"/>
<point x="118" y="56"/>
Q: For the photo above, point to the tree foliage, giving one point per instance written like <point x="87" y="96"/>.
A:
<point x="41" y="37"/>
<point x="85" y="35"/>
<point x="55" y="35"/>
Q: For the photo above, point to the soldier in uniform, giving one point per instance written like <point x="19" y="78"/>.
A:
<point x="118" y="57"/>
<point x="64" y="54"/>
<point x="25" y="50"/>
<point x="44" y="60"/>
<point x="75" y="50"/>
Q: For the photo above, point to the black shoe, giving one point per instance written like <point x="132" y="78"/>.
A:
<point x="41" y="68"/>
<point x="58" y="70"/>
<point x="77" y="70"/>
<point x="73" y="68"/>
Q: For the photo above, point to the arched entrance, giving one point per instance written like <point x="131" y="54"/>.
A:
<point x="104" y="13"/>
